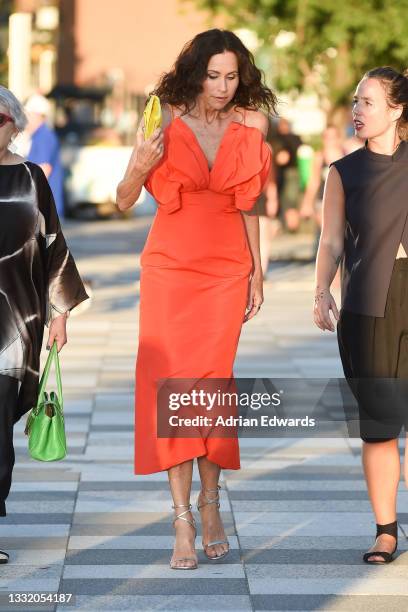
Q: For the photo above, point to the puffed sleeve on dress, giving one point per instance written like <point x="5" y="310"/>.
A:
<point x="65" y="289"/>
<point x="254" y="165"/>
<point x="165" y="185"/>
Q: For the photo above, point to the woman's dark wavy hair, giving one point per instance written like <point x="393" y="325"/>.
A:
<point x="396" y="87"/>
<point x="183" y="83"/>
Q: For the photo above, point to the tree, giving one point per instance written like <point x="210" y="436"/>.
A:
<point x="324" y="45"/>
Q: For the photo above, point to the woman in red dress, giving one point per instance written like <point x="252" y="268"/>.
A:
<point x="201" y="274"/>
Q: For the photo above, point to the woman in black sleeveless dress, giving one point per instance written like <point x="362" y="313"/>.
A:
<point x="365" y="228"/>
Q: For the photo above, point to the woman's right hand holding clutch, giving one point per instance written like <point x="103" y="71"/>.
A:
<point x="324" y="302"/>
<point x="145" y="155"/>
<point x="149" y="151"/>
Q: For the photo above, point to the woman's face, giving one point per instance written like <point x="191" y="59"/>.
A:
<point x="222" y="80"/>
<point x="372" y="115"/>
<point x="7" y="131"/>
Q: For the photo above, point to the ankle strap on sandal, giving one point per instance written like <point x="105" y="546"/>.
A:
<point x="181" y="515"/>
<point x="389" y="528"/>
<point x="207" y="500"/>
<point x="211" y="490"/>
<point x="188" y="506"/>
<point x="182" y="506"/>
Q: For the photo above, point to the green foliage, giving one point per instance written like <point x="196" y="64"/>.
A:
<point x="334" y="42"/>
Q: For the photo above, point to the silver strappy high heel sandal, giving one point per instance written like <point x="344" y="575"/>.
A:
<point x="191" y="522"/>
<point x="207" y="501"/>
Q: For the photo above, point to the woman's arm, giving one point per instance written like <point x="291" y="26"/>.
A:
<point x="145" y="155"/>
<point x="63" y="287"/>
<point x="331" y="248"/>
<point x="255" y="295"/>
<point x="251" y="220"/>
<point x="58" y="331"/>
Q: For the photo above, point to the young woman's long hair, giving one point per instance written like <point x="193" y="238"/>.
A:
<point x="183" y="83"/>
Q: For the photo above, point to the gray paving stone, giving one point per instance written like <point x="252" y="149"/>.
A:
<point x="272" y="496"/>
<point x="23" y="543"/>
<point x="162" y="572"/>
<point x="25" y="530"/>
<point x="46" y="506"/>
<point x="164" y="603"/>
<point x="329" y="603"/>
<point x="43" y="557"/>
<point x="157" y="586"/>
<point x="132" y="485"/>
<point x="136" y="556"/>
<point x="15" y="571"/>
<point x="35" y="519"/>
<point x="330" y="586"/>
<point x="299" y="487"/>
<point x="130" y="524"/>
<point x="313" y="556"/>
<point x="293" y="542"/>
<point x="359" y="575"/>
<point x="29" y="585"/>
<point x="152" y="542"/>
<point x="129" y="505"/>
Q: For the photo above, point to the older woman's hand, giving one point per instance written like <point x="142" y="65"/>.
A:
<point x="58" y="332"/>
<point x="149" y="151"/>
<point x="255" y="296"/>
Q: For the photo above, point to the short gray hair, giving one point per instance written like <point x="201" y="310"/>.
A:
<point x="14" y="107"/>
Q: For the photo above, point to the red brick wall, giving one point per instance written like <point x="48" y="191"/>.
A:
<point x="141" y="37"/>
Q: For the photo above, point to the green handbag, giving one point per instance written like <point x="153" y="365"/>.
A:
<point x="45" y="424"/>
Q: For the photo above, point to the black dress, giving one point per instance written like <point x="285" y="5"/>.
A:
<point x="38" y="281"/>
<point x="373" y="327"/>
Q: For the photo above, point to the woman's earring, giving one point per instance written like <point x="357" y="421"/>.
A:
<point x="12" y="147"/>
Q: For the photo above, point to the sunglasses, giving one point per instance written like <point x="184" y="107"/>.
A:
<point x="4" y="119"/>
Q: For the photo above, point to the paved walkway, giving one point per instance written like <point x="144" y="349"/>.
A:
<point x="297" y="513"/>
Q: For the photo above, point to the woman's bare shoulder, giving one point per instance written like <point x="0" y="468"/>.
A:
<point x="166" y="115"/>
<point x="255" y="118"/>
<point x="169" y="113"/>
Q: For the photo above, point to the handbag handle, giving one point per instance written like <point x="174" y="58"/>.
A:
<point x="53" y="356"/>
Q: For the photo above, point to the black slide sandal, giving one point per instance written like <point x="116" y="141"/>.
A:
<point x="390" y="529"/>
<point x="3" y="557"/>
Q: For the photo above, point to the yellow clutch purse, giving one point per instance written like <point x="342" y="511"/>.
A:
<point x="152" y="116"/>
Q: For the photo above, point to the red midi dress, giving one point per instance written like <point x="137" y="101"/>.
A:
<point x="195" y="270"/>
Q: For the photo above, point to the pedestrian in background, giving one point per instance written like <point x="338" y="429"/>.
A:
<point x="39" y="283"/>
<point x="285" y="144"/>
<point x="365" y="227"/>
<point x="201" y="274"/>
<point x="44" y="147"/>
<point x="332" y="150"/>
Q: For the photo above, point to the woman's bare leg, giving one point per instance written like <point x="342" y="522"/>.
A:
<point x="180" y="477"/>
<point x="406" y="461"/>
<point x="381" y="462"/>
<point x="212" y="527"/>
